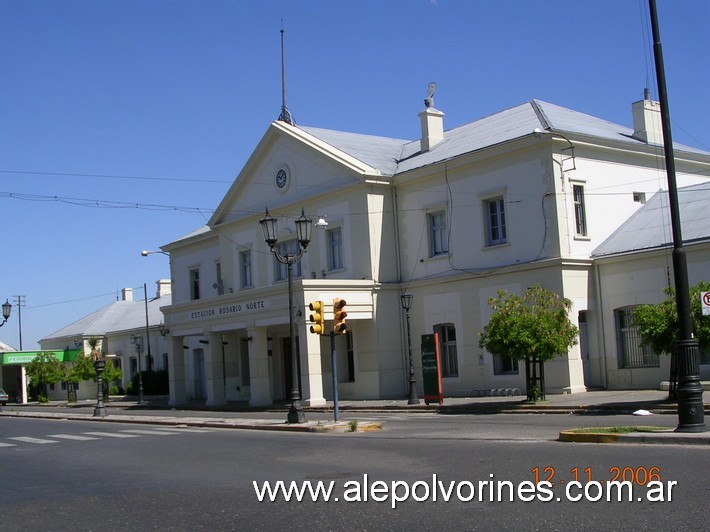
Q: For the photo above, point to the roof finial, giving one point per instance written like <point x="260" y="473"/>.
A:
<point x="285" y="115"/>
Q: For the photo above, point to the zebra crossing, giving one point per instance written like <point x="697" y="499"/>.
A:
<point x="87" y="436"/>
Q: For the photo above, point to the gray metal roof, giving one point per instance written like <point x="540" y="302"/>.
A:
<point x="649" y="227"/>
<point x="393" y="156"/>
<point x="116" y="317"/>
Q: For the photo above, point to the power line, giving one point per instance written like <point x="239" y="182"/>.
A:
<point x="105" y="176"/>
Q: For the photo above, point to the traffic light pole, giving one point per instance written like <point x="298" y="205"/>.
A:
<point x="336" y="414"/>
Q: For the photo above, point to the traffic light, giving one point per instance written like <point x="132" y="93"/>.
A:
<point x="317" y="317"/>
<point x="339" y="314"/>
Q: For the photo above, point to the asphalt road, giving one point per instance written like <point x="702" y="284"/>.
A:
<point x="62" y="475"/>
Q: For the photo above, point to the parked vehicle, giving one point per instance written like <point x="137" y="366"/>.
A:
<point x="3" y="397"/>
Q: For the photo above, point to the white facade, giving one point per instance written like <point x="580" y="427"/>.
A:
<point x="515" y="199"/>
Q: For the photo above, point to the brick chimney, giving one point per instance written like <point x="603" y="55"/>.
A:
<point x="647" y="120"/>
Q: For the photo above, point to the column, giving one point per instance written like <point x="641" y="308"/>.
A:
<point x="311" y="370"/>
<point x="259" y="378"/>
<point x="176" y="371"/>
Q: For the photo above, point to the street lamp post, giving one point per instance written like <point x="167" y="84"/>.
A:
<point x="99" y="366"/>
<point x="407" y="306"/>
<point x="6" y="309"/>
<point x="303" y="229"/>
<point x="138" y="341"/>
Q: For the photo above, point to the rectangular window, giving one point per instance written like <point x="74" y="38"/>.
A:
<point x="290" y="247"/>
<point x="632" y="354"/>
<point x="335" y="249"/>
<point x="640" y="197"/>
<point x="505" y="365"/>
<point x="447" y="348"/>
<point x="495" y="222"/>
<point x="195" y="283"/>
<point x="245" y="269"/>
<point x="580" y="217"/>
<point x="438" y="239"/>
<point x="220" y="282"/>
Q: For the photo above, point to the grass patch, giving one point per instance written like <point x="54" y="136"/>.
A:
<point x="618" y="430"/>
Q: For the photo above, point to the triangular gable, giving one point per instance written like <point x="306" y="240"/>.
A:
<point x="312" y="166"/>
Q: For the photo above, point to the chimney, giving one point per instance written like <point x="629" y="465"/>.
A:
<point x="164" y="288"/>
<point x="647" y="120"/>
<point x="127" y="294"/>
<point x="432" y="128"/>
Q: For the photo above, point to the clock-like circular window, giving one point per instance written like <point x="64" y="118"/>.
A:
<point x="281" y="179"/>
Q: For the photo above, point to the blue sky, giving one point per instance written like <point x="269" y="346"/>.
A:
<point x="140" y="105"/>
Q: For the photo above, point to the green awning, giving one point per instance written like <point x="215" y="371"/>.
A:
<point x="25" y="357"/>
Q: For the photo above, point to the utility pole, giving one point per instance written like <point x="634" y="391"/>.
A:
<point x="19" y="303"/>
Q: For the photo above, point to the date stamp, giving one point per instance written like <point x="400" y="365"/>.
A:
<point x="640" y="475"/>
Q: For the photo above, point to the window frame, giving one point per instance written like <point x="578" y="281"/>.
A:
<point x="628" y="338"/>
<point x="581" y="228"/>
<point x="448" y="349"/>
<point x="335" y="248"/>
<point x="245" y="270"/>
<point x="495" y="222"/>
<point x="437" y="230"/>
<point x="194" y="274"/>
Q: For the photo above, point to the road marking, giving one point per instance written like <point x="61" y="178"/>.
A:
<point x="71" y="437"/>
<point x="111" y="434"/>
<point x="178" y="430"/>
<point x="8" y="445"/>
<point x="150" y="432"/>
<point x="28" y="439"/>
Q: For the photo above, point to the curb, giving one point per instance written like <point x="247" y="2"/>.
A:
<point x="662" y="437"/>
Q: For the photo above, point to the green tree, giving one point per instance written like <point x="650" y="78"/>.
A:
<point x="658" y="324"/>
<point x="44" y="369"/>
<point x="534" y="327"/>
<point x="112" y="373"/>
<point x="81" y="369"/>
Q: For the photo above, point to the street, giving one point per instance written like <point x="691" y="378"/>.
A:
<point x="77" y="475"/>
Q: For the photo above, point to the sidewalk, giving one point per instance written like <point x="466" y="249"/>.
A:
<point x="588" y="403"/>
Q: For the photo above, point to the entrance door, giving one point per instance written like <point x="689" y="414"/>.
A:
<point x="584" y="348"/>
<point x="200" y="378"/>
<point x="288" y="382"/>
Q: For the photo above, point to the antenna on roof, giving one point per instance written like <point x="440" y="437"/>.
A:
<point x="285" y="115"/>
<point x="429" y="100"/>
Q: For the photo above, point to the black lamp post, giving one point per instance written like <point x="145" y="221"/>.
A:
<point x="138" y="341"/>
<point x="303" y="230"/>
<point x="99" y="366"/>
<point x="407" y="306"/>
<point x="6" y="309"/>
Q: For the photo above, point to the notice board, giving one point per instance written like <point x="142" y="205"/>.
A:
<point x="431" y="369"/>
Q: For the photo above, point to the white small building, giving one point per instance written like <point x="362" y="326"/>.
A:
<point x="633" y="266"/>
<point x="117" y="327"/>
<point x="517" y="198"/>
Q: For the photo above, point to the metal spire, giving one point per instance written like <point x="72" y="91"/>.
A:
<point x="285" y="115"/>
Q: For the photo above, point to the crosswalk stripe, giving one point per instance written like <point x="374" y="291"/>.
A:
<point x="8" y="445"/>
<point x="111" y="434"/>
<point x="150" y="432"/>
<point x="28" y="439"/>
<point x="71" y="437"/>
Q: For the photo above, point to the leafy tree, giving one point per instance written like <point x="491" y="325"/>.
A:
<point x="44" y="369"/>
<point x="658" y="324"/>
<point x="534" y="327"/>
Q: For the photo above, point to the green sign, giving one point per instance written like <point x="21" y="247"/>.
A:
<point x="25" y="357"/>
<point x="431" y="374"/>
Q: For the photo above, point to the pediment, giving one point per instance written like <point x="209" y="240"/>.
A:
<point x="289" y="165"/>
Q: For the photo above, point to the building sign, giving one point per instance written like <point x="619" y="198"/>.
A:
<point x="226" y="310"/>
<point x="25" y="357"/>
<point x="431" y="369"/>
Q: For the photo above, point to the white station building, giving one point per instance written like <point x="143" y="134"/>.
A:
<point x="518" y="198"/>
